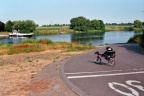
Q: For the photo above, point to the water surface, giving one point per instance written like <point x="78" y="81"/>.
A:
<point x="83" y="38"/>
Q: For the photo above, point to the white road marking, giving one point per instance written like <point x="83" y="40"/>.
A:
<point x="93" y="72"/>
<point x="103" y="71"/>
<point x="134" y="92"/>
<point x="102" y="75"/>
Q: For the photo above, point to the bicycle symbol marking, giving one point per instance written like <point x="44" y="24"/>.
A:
<point x="128" y="86"/>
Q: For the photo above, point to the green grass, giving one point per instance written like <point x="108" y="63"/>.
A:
<point x="28" y="46"/>
<point x="137" y="29"/>
<point x="66" y="30"/>
<point x="53" y="30"/>
<point x="119" y="28"/>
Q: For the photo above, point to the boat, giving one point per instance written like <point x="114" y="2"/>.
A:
<point x="15" y="33"/>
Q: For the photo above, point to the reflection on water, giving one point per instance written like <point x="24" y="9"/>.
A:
<point x="83" y="38"/>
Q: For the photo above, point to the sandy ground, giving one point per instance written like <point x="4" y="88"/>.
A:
<point x="16" y="71"/>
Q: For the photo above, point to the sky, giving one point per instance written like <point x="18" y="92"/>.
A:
<point x="45" y="12"/>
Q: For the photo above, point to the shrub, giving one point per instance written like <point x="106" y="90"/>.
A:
<point x="135" y="39"/>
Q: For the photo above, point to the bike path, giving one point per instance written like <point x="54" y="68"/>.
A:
<point x="87" y="78"/>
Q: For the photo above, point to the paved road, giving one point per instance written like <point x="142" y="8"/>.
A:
<point x="126" y="78"/>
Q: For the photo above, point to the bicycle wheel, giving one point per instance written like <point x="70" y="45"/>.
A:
<point x="111" y="62"/>
<point x="98" y="60"/>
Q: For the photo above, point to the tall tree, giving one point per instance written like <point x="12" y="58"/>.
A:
<point x="102" y="25"/>
<point x="137" y="24"/>
<point x="79" y="23"/>
<point x="95" y="24"/>
<point x="8" y="26"/>
<point x="24" y="26"/>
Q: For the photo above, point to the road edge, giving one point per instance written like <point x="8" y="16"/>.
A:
<point x="75" y="89"/>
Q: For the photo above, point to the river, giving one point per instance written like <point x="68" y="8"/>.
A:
<point x="83" y="38"/>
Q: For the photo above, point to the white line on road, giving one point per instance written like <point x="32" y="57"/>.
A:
<point x="102" y="75"/>
<point x="93" y="72"/>
<point x="103" y="71"/>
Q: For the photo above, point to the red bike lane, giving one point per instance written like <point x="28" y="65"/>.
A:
<point x="87" y="78"/>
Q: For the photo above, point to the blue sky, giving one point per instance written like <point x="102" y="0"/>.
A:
<point x="61" y="11"/>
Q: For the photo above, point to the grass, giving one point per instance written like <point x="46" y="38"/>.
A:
<point x="137" y="29"/>
<point x="4" y="33"/>
<point x="119" y="28"/>
<point x="53" y="30"/>
<point x="28" y="46"/>
<point x="65" y="29"/>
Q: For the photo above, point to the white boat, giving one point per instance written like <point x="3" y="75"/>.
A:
<point x="17" y="34"/>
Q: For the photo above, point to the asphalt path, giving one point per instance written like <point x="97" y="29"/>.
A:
<point x="87" y="78"/>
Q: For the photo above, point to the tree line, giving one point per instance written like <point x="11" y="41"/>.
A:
<point x="55" y="25"/>
<point x="78" y="24"/>
<point x="25" y="26"/>
<point x="82" y="24"/>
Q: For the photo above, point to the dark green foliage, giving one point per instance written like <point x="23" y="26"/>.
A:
<point x="102" y="25"/>
<point x="137" y="24"/>
<point x="135" y="39"/>
<point x="142" y="40"/>
<point x="80" y="23"/>
<point x="26" y="26"/>
<point x="8" y="26"/>
<point x="2" y="25"/>
<point x="128" y="28"/>
<point x="83" y="24"/>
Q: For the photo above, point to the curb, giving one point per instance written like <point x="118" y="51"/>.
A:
<point x="77" y="90"/>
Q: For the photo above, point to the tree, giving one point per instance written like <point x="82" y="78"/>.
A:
<point x="8" y="26"/>
<point x="137" y="24"/>
<point x="82" y="24"/>
<point x="142" y="23"/>
<point x="102" y="25"/>
<point x="79" y="23"/>
<point x="24" y="26"/>
<point x="2" y="25"/>
<point x="95" y="24"/>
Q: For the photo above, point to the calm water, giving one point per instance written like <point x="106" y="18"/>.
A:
<point x="94" y="39"/>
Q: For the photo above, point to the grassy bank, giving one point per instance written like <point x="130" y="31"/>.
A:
<point x="41" y="45"/>
<point x="119" y="28"/>
<point x="65" y="30"/>
<point x="53" y="30"/>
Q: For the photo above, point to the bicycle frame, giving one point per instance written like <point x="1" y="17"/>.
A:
<point x="111" y="60"/>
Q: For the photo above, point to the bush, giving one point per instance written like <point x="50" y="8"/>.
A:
<point x="135" y="39"/>
<point x="142" y="40"/>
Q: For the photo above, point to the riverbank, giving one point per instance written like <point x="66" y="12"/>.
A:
<point x="3" y="36"/>
<point x="66" y="30"/>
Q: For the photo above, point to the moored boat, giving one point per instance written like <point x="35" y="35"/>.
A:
<point x="17" y="34"/>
